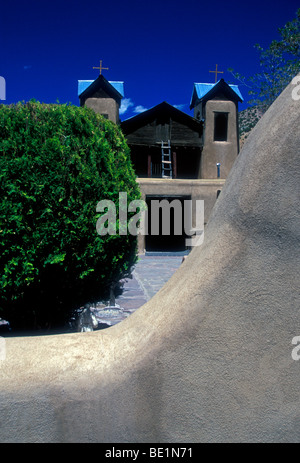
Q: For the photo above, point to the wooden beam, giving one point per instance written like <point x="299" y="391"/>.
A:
<point x="149" y="165"/>
<point x="174" y="164"/>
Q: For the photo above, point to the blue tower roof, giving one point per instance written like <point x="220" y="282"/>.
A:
<point x="84" y="84"/>
<point x="204" y="91"/>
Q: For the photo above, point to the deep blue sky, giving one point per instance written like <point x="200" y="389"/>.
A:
<point x="159" y="48"/>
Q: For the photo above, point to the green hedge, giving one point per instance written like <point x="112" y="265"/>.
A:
<point x="56" y="163"/>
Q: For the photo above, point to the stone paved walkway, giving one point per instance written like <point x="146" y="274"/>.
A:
<point x="149" y="275"/>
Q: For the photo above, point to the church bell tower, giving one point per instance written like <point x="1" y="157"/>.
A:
<point x="217" y="106"/>
<point x="102" y="96"/>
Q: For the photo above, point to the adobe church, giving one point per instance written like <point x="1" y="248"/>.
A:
<point x="175" y="156"/>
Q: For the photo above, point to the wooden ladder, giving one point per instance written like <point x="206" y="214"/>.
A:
<point x="166" y="160"/>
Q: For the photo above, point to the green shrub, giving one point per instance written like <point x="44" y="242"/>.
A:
<point x="56" y="163"/>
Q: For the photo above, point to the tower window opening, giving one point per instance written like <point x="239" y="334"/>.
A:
<point x="221" y="127"/>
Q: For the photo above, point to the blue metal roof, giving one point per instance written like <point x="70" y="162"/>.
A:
<point x="84" y="84"/>
<point x="202" y="89"/>
<point x="119" y="86"/>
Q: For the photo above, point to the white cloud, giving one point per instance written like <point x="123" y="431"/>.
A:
<point x="139" y="109"/>
<point x="125" y="104"/>
<point x="180" y="106"/>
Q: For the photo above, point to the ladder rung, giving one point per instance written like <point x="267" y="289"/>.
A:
<point x="166" y="159"/>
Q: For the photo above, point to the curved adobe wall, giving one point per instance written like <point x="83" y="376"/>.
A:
<point x="209" y="357"/>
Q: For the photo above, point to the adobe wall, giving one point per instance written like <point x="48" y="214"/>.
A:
<point x="223" y="152"/>
<point x="104" y="106"/>
<point x="208" y="358"/>
<point x="197" y="189"/>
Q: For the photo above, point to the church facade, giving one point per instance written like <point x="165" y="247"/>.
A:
<point x="175" y="156"/>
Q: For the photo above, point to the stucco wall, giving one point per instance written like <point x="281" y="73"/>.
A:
<point x="224" y="152"/>
<point x="104" y="106"/>
<point x="208" y="359"/>
<point x="205" y="190"/>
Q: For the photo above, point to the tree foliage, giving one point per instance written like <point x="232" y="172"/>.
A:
<point x="280" y="63"/>
<point x="56" y="163"/>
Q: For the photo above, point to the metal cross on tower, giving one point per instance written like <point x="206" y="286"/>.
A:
<point x="100" y="67"/>
<point x="216" y="72"/>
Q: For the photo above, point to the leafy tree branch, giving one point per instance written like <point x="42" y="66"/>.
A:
<point x="280" y="63"/>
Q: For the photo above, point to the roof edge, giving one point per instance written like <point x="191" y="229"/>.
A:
<point x="232" y="88"/>
<point x="164" y="104"/>
<point x="101" y="80"/>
